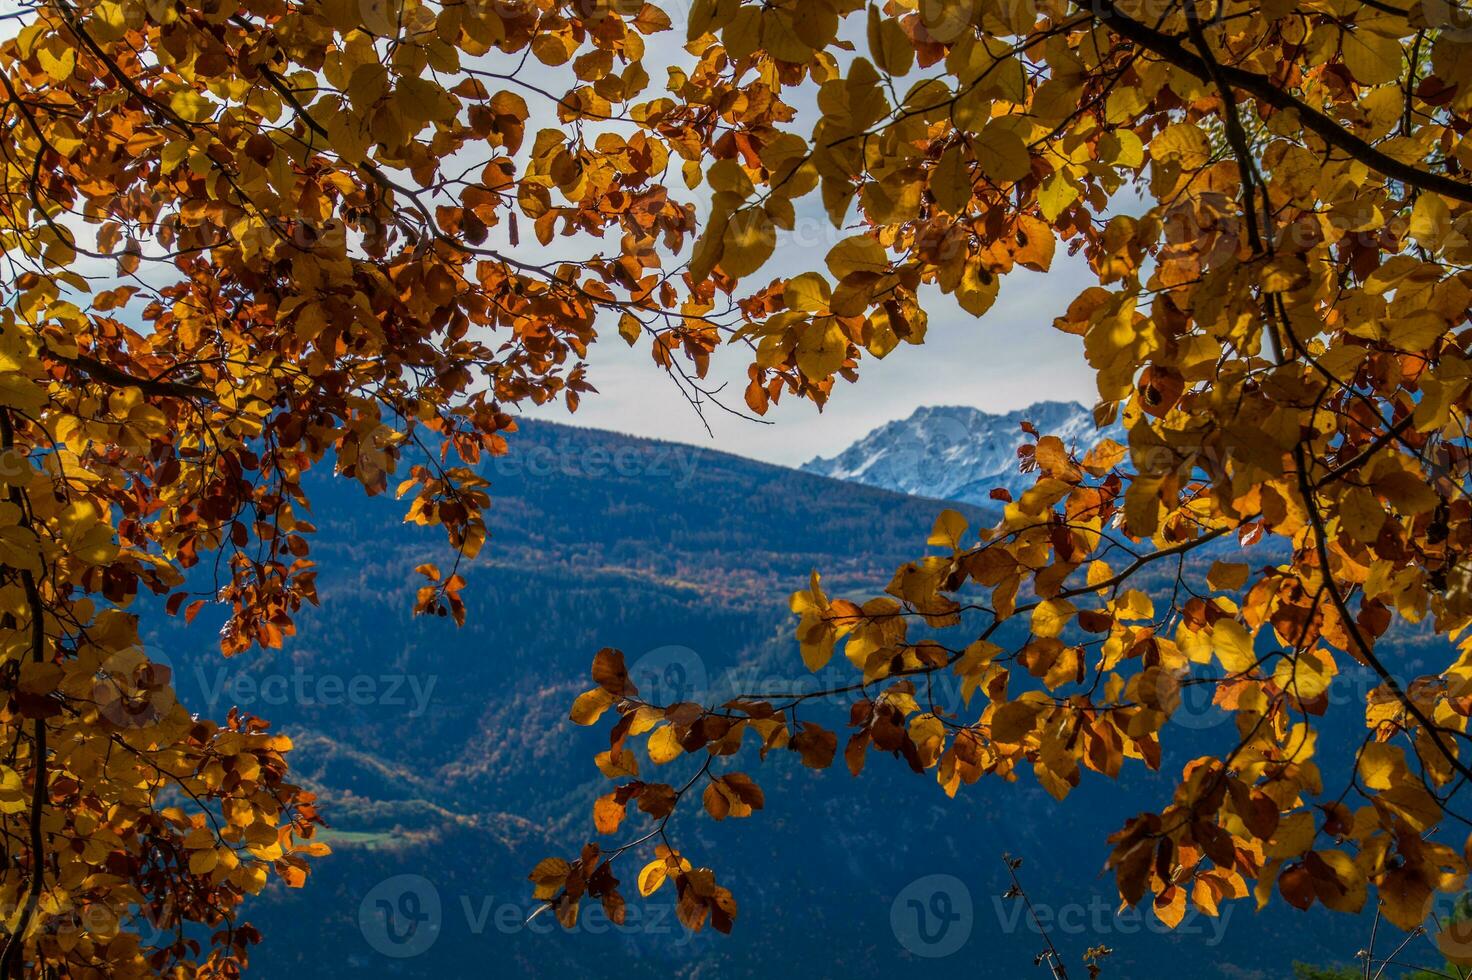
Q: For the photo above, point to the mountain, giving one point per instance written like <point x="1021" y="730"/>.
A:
<point x="447" y="767"/>
<point x="953" y="452"/>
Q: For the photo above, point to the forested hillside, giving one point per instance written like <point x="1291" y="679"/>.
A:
<point x="446" y="753"/>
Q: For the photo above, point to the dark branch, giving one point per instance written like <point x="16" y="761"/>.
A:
<point x="1269" y="92"/>
<point x="119" y="378"/>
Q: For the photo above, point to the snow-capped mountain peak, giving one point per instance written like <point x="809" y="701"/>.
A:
<point x="954" y="452"/>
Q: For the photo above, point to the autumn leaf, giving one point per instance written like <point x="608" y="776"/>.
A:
<point x="608" y="813"/>
<point x="652" y="876"/>
<point x="859" y="253"/>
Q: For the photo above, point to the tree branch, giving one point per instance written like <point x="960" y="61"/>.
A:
<point x="1365" y="654"/>
<point x="12" y="959"/>
<point x="1269" y="92"/>
<point x="119" y="378"/>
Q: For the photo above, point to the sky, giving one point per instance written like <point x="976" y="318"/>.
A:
<point x="1008" y="359"/>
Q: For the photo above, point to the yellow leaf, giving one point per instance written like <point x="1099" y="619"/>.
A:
<point x="950" y="182"/>
<point x="203" y="862"/>
<point x="857" y="254"/>
<point x="1057" y="194"/>
<point x="13" y="797"/>
<point x="191" y="106"/>
<point x="608" y="813"/>
<point x="1227" y="576"/>
<point x="750" y="239"/>
<point x="807" y="293"/>
<point x="949" y="528"/>
<point x="895" y="199"/>
<point x="1380" y="764"/>
<point x="58" y="67"/>
<point x="1170" y="906"/>
<point x="977" y="290"/>
<point x="651" y="876"/>
<point x="613" y="766"/>
<point x="1134" y="604"/>
<point x="1373" y="59"/>
<point x="1416" y="331"/>
<point x="1051" y="617"/>
<point x="20" y="548"/>
<point x="822" y="347"/>
<point x="816" y="638"/>
<point x="549" y="876"/>
<point x="1232" y="645"/>
<point x="1011" y="721"/>
<point x="1405" y="897"/>
<point x="1104" y="457"/>
<point x="812" y="599"/>
<point x="19" y="391"/>
<point x="1361" y="515"/>
<point x="1123" y="148"/>
<point x="664" y="746"/>
<point x="1430" y="220"/>
<point x="1294" y="836"/>
<point x="1306" y="675"/>
<point x="1183" y="143"/>
<point x="888" y="44"/>
<point x="1001" y="153"/>
<point x="1352" y="891"/>
<point x="629" y="328"/>
<point x="815" y="25"/>
<point x="351" y="136"/>
<point x="590" y="705"/>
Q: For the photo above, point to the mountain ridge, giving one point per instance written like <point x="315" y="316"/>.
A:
<point x="956" y="452"/>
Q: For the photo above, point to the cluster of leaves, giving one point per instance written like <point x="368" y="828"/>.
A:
<point x="562" y="885"/>
<point x="1279" y="320"/>
<point x="242" y="239"/>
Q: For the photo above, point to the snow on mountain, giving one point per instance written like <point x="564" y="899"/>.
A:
<point x="954" y="452"/>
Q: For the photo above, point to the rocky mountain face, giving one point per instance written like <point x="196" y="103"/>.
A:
<point x="952" y="452"/>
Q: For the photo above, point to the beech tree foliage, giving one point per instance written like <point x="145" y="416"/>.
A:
<point x="1273" y="204"/>
<point x="244" y="239"/>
